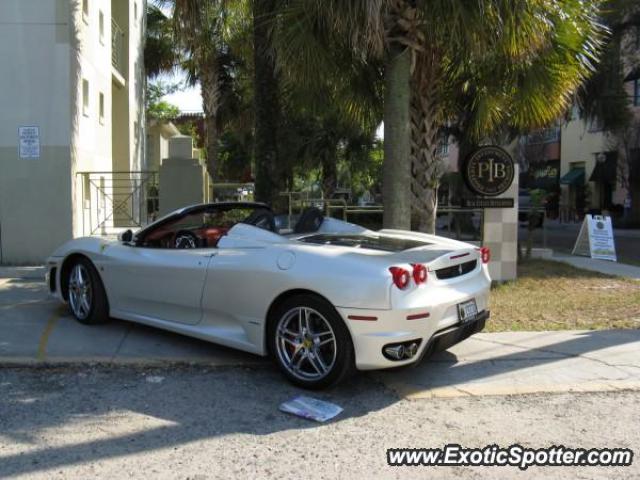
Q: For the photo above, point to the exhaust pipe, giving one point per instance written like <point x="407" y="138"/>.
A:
<point x="401" y="351"/>
<point x="396" y="352"/>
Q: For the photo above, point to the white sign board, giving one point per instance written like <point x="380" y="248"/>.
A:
<point x="596" y="238"/>
<point x="29" y="141"/>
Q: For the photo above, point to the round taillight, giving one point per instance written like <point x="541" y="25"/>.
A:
<point x="419" y="273"/>
<point x="485" y="254"/>
<point x="400" y="277"/>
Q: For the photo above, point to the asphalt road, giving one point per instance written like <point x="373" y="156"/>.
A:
<point x="196" y="423"/>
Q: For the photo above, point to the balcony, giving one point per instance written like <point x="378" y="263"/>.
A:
<point x="118" y="52"/>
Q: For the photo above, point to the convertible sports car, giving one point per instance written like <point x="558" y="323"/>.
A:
<point x="321" y="298"/>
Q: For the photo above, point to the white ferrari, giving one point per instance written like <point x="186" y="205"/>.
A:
<point x="320" y="298"/>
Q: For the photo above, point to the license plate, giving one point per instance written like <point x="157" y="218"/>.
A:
<point x="467" y="311"/>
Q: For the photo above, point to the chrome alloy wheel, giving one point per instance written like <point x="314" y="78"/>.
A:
<point x="80" y="293"/>
<point x="306" y="343"/>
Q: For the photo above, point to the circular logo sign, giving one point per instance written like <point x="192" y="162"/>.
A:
<point x="489" y="171"/>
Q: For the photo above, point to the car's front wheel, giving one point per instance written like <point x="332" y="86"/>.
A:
<point x="310" y="342"/>
<point x="86" y="295"/>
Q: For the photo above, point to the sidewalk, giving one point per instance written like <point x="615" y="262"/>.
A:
<point x="35" y="330"/>
<point x="513" y="363"/>
<point x="575" y="228"/>
<point x="602" y="266"/>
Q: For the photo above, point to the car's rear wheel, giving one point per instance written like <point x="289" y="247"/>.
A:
<point x="310" y="342"/>
<point x="87" y="298"/>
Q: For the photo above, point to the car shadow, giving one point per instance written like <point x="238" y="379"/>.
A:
<point x="481" y="360"/>
<point x="175" y="406"/>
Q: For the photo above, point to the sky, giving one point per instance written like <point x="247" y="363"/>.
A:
<point x="188" y="99"/>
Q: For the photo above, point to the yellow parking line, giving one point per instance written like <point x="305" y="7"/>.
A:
<point x="44" y="338"/>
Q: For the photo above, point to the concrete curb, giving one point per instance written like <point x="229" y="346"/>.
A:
<point x="508" y="363"/>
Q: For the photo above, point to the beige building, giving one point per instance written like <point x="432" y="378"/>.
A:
<point x="157" y="148"/>
<point x="72" y="113"/>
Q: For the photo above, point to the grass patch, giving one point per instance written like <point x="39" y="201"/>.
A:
<point x="556" y="296"/>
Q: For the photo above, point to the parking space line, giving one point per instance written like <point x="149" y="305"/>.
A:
<point x="46" y="333"/>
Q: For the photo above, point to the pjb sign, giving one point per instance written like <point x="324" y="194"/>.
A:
<point x="489" y="171"/>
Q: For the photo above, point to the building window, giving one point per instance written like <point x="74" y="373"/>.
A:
<point x="636" y="92"/>
<point x="135" y="11"/>
<point x="101" y="26"/>
<point x="85" y="10"/>
<point x="443" y="146"/>
<point x="101" y="107"/>
<point x="85" y="97"/>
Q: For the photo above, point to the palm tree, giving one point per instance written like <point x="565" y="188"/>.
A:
<point x="268" y="112"/>
<point x="478" y="84"/>
<point x="160" y="52"/>
<point x="198" y="27"/>
<point x="331" y="97"/>
<point x="374" y="31"/>
<point x="426" y="47"/>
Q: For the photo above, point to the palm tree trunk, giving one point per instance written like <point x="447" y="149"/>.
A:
<point x="208" y="67"/>
<point x="426" y="165"/>
<point x="396" y="177"/>
<point x="267" y="106"/>
<point x="329" y="174"/>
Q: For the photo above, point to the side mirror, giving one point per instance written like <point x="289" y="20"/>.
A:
<point x="126" y="236"/>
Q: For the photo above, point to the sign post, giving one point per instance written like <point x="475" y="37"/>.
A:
<point x="489" y="171"/>
<point x="491" y="174"/>
<point x="595" y="239"/>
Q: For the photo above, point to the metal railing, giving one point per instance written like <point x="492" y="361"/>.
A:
<point x="456" y="222"/>
<point x="113" y="201"/>
<point x="117" y="47"/>
<point x="460" y="223"/>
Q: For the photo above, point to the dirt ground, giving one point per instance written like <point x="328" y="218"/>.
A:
<point x="196" y="423"/>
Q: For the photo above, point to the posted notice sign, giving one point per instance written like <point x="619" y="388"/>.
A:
<point x="596" y="238"/>
<point x="29" y="141"/>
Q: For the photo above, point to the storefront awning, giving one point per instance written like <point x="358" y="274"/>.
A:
<point x="575" y="176"/>
<point x="633" y="75"/>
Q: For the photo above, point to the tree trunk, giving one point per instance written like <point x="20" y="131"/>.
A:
<point x="267" y="107"/>
<point x="396" y="175"/>
<point x="329" y="174"/>
<point x="208" y="67"/>
<point x="426" y="166"/>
